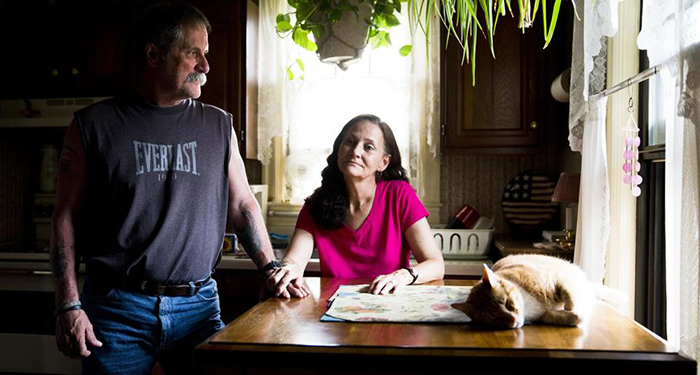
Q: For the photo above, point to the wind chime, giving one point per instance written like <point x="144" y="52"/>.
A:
<point x="631" y="166"/>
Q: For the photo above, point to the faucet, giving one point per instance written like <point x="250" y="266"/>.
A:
<point x="442" y="240"/>
<point x="459" y="241"/>
<point x="469" y="241"/>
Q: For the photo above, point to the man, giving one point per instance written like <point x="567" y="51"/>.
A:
<point x="146" y="183"/>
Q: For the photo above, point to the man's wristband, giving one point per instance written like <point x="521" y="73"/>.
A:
<point x="70" y="306"/>
<point x="272" y="265"/>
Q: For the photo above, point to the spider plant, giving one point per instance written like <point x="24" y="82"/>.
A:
<point x="464" y="20"/>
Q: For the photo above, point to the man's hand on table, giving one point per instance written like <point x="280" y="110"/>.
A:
<point x="287" y="281"/>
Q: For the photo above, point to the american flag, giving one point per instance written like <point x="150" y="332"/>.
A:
<point x="527" y="200"/>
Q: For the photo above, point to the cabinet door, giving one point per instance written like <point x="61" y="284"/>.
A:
<point x="498" y="114"/>
<point x="226" y="79"/>
<point x="66" y="49"/>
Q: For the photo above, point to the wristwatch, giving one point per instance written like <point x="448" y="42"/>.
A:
<point x="414" y="275"/>
<point x="273" y="265"/>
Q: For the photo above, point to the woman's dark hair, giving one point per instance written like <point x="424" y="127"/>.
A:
<point x="162" y="24"/>
<point x="329" y="204"/>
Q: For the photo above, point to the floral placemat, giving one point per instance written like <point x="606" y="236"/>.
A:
<point x="412" y="304"/>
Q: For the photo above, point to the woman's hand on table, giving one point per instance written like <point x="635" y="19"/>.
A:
<point x="287" y="281"/>
<point x="390" y="283"/>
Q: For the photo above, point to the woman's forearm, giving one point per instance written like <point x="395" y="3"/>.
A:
<point x="429" y="270"/>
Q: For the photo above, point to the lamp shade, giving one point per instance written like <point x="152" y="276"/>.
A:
<point x="567" y="188"/>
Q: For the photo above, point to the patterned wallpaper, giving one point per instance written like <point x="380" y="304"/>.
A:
<point x="479" y="180"/>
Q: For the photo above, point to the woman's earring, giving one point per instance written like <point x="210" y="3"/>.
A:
<point x="379" y="174"/>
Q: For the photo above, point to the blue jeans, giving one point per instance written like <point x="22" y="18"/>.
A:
<point x="136" y="329"/>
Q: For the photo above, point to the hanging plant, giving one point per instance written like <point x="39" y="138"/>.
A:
<point x="360" y="22"/>
<point x="464" y="20"/>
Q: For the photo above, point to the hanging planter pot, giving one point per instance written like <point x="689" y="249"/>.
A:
<point x="341" y="29"/>
<point x="342" y="42"/>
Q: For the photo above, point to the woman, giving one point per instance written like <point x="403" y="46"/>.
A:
<point x="364" y="219"/>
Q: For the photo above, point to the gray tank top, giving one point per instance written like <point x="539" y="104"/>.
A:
<point x="157" y="189"/>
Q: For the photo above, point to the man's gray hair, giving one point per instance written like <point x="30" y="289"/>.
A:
<point x="162" y="24"/>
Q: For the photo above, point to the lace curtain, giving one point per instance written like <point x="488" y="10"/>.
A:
<point x="309" y="111"/>
<point x="588" y="61"/>
<point x="594" y="208"/>
<point x="272" y="92"/>
<point x="671" y="35"/>
<point x="587" y="130"/>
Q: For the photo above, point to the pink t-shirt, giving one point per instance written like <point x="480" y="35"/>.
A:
<point x="379" y="246"/>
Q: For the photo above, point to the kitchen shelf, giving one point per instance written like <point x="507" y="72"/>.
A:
<point x="35" y="122"/>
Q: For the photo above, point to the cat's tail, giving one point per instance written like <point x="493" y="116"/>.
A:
<point x="610" y="295"/>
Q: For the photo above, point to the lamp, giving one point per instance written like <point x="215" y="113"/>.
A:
<point x="566" y="192"/>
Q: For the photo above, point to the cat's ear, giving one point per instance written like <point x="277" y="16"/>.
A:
<point x="489" y="276"/>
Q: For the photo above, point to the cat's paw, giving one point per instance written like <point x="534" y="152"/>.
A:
<point x="571" y="319"/>
<point x="562" y="318"/>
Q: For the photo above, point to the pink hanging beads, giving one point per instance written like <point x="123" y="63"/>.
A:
<point x="631" y="165"/>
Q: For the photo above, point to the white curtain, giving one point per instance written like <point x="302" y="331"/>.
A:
<point x="272" y="92"/>
<point x="424" y="127"/>
<point x="671" y="35"/>
<point x="309" y="111"/>
<point x="589" y="57"/>
<point x="587" y="131"/>
<point x="594" y="207"/>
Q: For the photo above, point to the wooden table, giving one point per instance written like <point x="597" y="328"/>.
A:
<point x="285" y="336"/>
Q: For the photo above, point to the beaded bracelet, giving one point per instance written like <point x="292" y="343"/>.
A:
<point x="70" y="306"/>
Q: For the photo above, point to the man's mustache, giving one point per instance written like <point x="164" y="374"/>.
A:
<point x="197" y="77"/>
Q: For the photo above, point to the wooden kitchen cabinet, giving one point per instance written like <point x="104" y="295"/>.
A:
<point x="80" y="48"/>
<point x="67" y="49"/>
<point x="499" y="115"/>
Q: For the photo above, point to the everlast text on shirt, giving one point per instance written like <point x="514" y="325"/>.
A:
<point x="152" y="157"/>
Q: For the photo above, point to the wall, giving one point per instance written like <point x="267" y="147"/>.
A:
<point x="479" y="180"/>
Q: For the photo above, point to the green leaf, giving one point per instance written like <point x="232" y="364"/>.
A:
<point x="406" y="50"/>
<point x="335" y="15"/>
<point x="282" y="17"/>
<point x="552" y="23"/>
<point x="392" y="21"/>
<point x="290" y="74"/>
<point x="283" y="26"/>
<point x="301" y="65"/>
<point x="301" y="37"/>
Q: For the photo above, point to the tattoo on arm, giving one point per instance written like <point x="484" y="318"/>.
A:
<point x="59" y="263"/>
<point x="248" y="235"/>
<point x="66" y="160"/>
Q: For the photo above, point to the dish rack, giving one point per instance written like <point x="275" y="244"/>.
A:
<point x="463" y="243"/>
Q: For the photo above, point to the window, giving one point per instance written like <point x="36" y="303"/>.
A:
<point x="324" y="98"/>
<point x="298" y="119"/>
<point x="650" y="299"/>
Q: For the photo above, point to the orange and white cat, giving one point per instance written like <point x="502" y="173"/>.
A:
<point x="530" y="288"/>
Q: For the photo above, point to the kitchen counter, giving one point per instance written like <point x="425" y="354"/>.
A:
<point x="38" y="263"/>
<point x="453" y="268"/>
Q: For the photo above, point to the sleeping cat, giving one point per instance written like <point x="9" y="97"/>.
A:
<point x="530" y="288"/>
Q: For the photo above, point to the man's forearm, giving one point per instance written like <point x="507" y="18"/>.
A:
<point x="251" y="232"/>
<point x="63" y="263"/>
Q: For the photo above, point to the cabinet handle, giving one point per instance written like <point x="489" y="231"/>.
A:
<point x="533" y="125"/>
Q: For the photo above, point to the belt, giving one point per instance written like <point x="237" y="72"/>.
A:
<point x="158" y="289"/>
